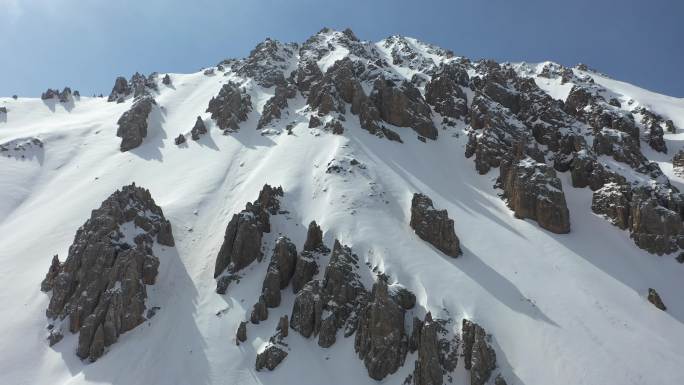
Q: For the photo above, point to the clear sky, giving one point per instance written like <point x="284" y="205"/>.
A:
<point x="87" y="43"/>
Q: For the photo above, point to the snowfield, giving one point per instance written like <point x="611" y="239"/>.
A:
<point x="562" y="309"/>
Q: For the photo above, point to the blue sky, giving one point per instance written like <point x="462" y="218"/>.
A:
<point x="85" y="44"/>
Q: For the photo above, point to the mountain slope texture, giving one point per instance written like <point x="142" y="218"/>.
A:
<point x="344" y="212"/>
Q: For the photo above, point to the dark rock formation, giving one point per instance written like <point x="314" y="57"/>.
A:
<point x="622" y="147"/>
<point x="654" y="298"/>
<point x="403" y="106"/>
<point x="613" y="202"/>
<point x="314" y="121"/>
<point x="533" y="191"/>
<point x="270" y="358"/>
<point x="305" y="269"/>
<point x="3" y="110"/>
<point x="133" y="123"/>
<point x="653" y="227"/>
<point x="280" y="271"/>
<point x="434" y="226"/>
<point x="49" y="94"/>
<point x="678" y="162"/>
<point x="242" y="240"/>
<point x="380" y="338"/>
<point x="328" y="333"/>
<point x="139" y="86"/>
<point x="282" y="329"/>
<point x="277" y="103"/>
<point x="166" y="80"/>
<point x="403" y="297"/>
<point x="241" y="334"/>
<point x="230" y="107"/>
<point x="180" y="139"/>
<point x="101" y="284"/>
<point x="478" y="355"/>
<point x="428" y="370"/>
<point x="314" y="238"/>
<point x="198" y="129"/>
<point x="259" y="311"/>
<point x="340" y="294"/>
<point x="52" y="273"/>
<point x="444" y="92"/>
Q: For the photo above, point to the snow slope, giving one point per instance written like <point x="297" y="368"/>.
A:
<point x="563" y="309"/>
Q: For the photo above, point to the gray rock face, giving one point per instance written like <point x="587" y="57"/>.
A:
<point x="306" y="268"/>
<point x="101" y="284"/>
<point x="444" y="92"/>
<point x="180" y="139"/>
<point x="434" y="226"/>
<point x="340" y="294"/>
<point x="280" y="271"/>
<point x="274" y="106"/>
<point x="381" y="341"/>
<point x="52" y="273"/>
<point x="133" y="123"/>
<point x="478" y="355"/>
<point x="198" y="129"/>
<point x="586" y="171"/>
<point x="622" y="147"/>
<point x="314" y="238"/>
<point x="613" y="202"/>
<point x="241" y="334"/>
<point x="328" y="332"/>
<point x="533" y="191"/>
<point x="403" y="106"/>
<point x="653" y="227"/>
<point x="678" y="162"/>
<point x="270" y="358"/>
<point x="49" y="94"/>
<point x="242" y="240"/>
<point x="428" y="370"/>
<point x="230" y="107"/>
<point x="166" y="80"/>
<point x="654" y="298"/>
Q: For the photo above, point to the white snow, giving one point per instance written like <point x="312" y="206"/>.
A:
<point x="562" y="309"/>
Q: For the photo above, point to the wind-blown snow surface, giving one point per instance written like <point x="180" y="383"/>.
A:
<point x="562" y="309"/>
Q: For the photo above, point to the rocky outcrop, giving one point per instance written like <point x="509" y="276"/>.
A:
<point x="340" y="294"/>
<point x="479" y="356"/>
<point x="678" y="163"/>
<point x="242" y="240"/>
<point x="276" y="104"/>
<point x="120" y="90"/>
<point x="230" y="107"/>
<point x="428" y="370"/>
<point x="270" y="358"/>
<point x="444" y="92"/>
<point x="654" y="298"/>
<point x="166" y="80"/>
<point x="533" y="191"/>
<point x="306" y="266"/>
<point x="280" y="271"/>
<point x="259" y="311"/>
<point x="139" y="86"/>
<point x="654" y="227"/>
<point x="180" y="139"/>
<point x="613" y="202"/>
<point x="198" y="129"/>
<point x="434" y="226"/>
<point x="241" y="334"/>
<point x="381" y="341"/>
<point x="403" y="105"/>
<point x="621" y="146"/>
<point x="133" y="123"/>
<point x="100" y="286"/>
<point x="49" y="280"/>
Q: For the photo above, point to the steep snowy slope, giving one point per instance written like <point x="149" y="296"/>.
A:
<point x="561" y="308"/>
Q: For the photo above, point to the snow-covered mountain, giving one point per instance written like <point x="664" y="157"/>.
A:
<point x="557" y="260"/>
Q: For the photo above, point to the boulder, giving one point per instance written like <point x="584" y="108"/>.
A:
<point x="533" y="191"/>
<point x="133" y="123"/>
<point x="654" y="298"/>
<point x="434" y="226"/>
<point x="198" y="129"/>
<point x="270" y="358"/>
<point x="241" y="334"/>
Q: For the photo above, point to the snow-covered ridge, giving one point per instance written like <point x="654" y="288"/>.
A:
<point x="561" y="308"/>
